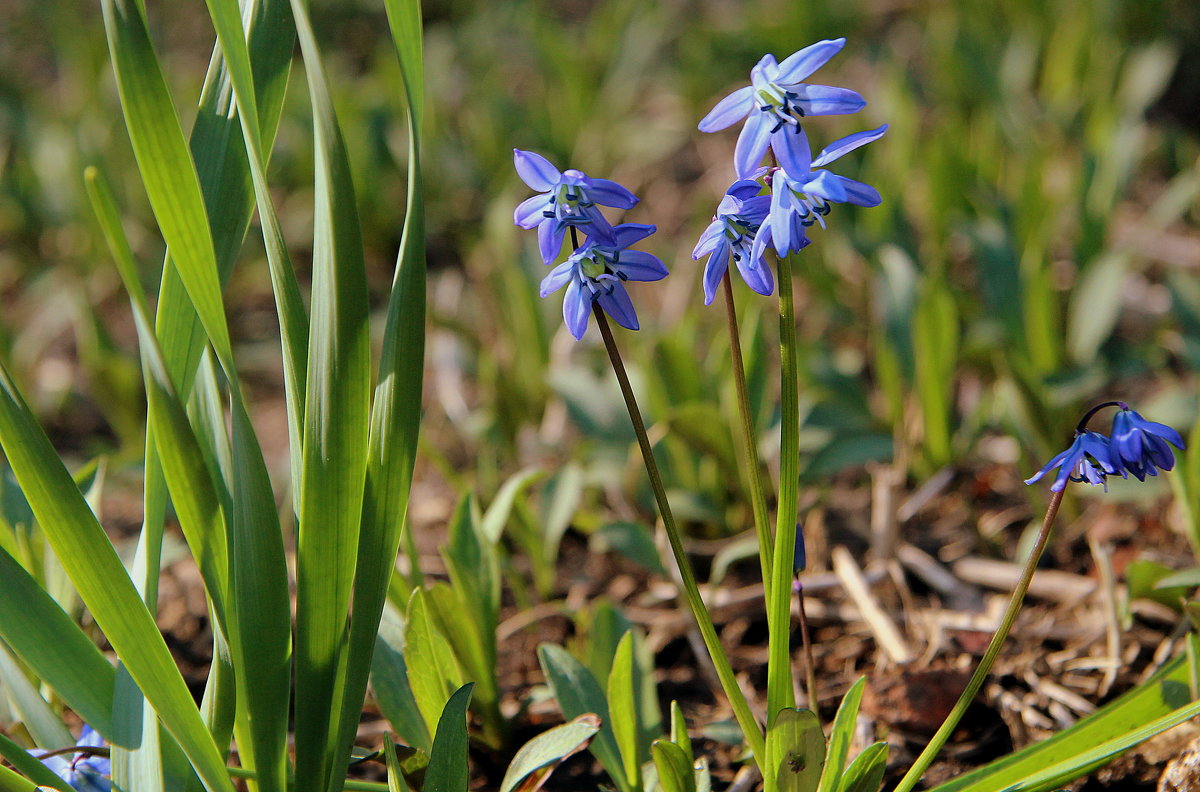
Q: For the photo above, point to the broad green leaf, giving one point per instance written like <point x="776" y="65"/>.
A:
<point x="103" y="584"/>
<point x="536" y="759"/>
<point x="496" y="516"/>
<point x="433" y="672"/>
<point x="11" y="782"/>
<point x="623" y="710"/>
<point x="450" y="609"/>
<point x="633" y="541"/>
<point x="679" y="731"/>
<point x="52" y="645"/>
<point x="841" y="735"/>
<point x="579" y="693"/>
<point x="389" y="679"/>
<point x="675" y="773"/>
<point x="865" y="773"/>
<point x="795" y="750"/>
<point x="601" y="626"/>
<point x="1187" y="578"/>
<point x="447" y="771"/>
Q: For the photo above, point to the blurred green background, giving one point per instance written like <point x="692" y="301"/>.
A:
<point x="1036" y="251"/>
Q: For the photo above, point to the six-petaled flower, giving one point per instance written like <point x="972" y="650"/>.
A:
<point x="775" y="102"/>
<point x="732" y="234"/>
<point x="1140" y="446"/>
<point x="567" y="198"/>
<point x="596" y="273"/>
<point x="1089" y="459"/>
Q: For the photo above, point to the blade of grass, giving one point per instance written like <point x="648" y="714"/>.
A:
<point x="336" y="415"/>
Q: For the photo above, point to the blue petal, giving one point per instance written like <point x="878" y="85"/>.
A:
<point x="577" y="306"/>
<point x="598" y="229"/>
<point x="756" y="273"/>
<point x="790" y="145"/>
<point x="826" y="185"/>
<point x="819" y="100"/>
<point x="799" y="65"/>
<point x="530" y="212"/>
<point x="85" y="781"/>
<point x="609" y="193"/>
<point x="729" y="110"/>
<point x="1053" y="463"/>
<point x="756" y="209"/>
<point x="764" y="72"/>
<point x="848" y="144"/>
<point x="714" y="270"/>
<point x="617" y="304"/>
<point x="780" y="225"/>
<point x="550" y="239"/>
<point x="709" y="240"/>
<point x="638" y="266"/>
<point x="752" y="144"/>
<point x="558" y="277"/>
<point x="628" y="234"/>
<point x="1162" y="430"/>
<point x="858" y="193"/>
<point x="535" y="170"/>
<point x="744" y="189"/>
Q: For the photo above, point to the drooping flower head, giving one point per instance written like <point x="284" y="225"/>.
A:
<point x="775" y="102"/>
<point x="732" y="234"/>
<point x="596" y="273"/>
<point x="1089" y="459"/>
<point x="1140" y="446"/>
<point x="564" y="199"/>
<point x="83" y="771"/>
<point x="801" y="196"/>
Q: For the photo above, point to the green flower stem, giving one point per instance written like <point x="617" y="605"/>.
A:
<point x="741" y="709"/>
<point x="758" y="497"/>
<point x="989" y="656"/>
<point x="810" y="668"/>
<point x="779" y="608"/>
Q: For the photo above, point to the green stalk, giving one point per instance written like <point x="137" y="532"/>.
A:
<point x="779" y="612"/>
<point x="741" y="709"/>
<point x="989" y="657"/>
<point x="758" y="498"/>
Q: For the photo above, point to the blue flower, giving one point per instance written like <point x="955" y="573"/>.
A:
<point x="801" y="196"/>
<point x="564" y="199"/>
<point x="84" y="772"/>
<point x="733" y="233"/>
<point x="774" y="103"/>
<point x="1140" y="446"/>
<point x="1089" y="459"/>
<point x="597" y="272"/>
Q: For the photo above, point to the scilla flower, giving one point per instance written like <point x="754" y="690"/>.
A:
<point x="801" y="196"/>
<point x="732" y="234"/>
<point x="774" y="103"/>
<point x="596" y="273"/>
<point x="1089" y="459"/>
<point x="84" y="771"/>
<point x="1140" y="446"/>
<point x="564" y="199"/>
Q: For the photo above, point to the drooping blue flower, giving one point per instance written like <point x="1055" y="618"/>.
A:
<point x="775" y="102"/>
<point x="564" y="199"/>
<point x="732" y="234"/>
<point x="597" y="272"/>
<point x="1090" y="459"/>
<point x="801" y="196"/>
<point x="1140" y="446"/>
<point x="84" y="772"/>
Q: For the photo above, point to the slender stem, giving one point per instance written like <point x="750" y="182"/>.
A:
<point x="741" y="709"/>
<point x="989" y="656"/>
<point x="1081" y="427"/>
<point x="779" y="608"/>
<point x="758" y="498"/>
<point x="810" y="668"/>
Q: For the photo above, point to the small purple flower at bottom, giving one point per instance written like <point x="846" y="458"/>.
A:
<point x="1090" y="459"/>
<point x="84" y="772"/>
<point x="733" y="234"/>
<point x="1140" y="446"/>
<point x="564" y="199"/>
<point x="596" y="273"/>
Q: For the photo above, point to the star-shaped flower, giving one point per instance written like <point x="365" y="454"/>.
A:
<point x="733" y="234"/>
<point x="1089" y="459"/>
<point x="775" y="102"/>
<point x="564" y="199"/>
<point x="596" y="273"/>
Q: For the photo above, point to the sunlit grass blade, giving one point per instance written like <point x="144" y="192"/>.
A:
<point x="336" y="415"/>
<point x="31" y="767"/>
<point x="48" y="641"/>
<point x="103" y="584"/>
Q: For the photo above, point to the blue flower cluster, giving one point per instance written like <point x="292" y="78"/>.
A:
<point x="1137" y="447"/>
<point x="801" y="191"/>
<point x="596" y="271"/>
